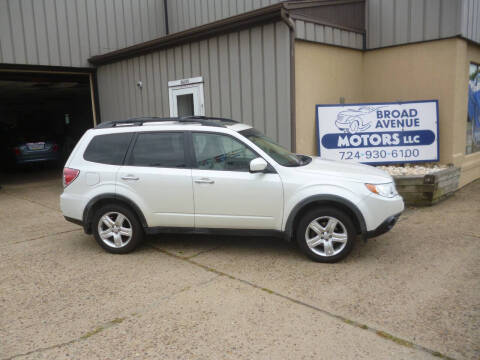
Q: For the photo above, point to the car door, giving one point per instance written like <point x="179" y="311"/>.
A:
<point x="226" y="194"/>
<point x="155" y="176"/>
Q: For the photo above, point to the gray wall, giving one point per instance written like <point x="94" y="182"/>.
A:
<point x="328" y="35"/>
<point x="246" y="77"/>
<point x="392" y="22"/>
<point x="186" y="14"/>
<point x="470" y="24"/>
<point x="68" y="32"/>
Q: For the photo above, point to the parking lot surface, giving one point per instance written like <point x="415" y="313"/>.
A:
<point x="413" y="293"/>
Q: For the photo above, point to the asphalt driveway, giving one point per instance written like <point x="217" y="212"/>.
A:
<point x="413" y="293"/>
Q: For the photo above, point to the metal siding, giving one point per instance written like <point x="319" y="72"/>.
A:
<point x="41" y="31"/>
<point x="68" y="32"/>
<point x="309" y="31"/>
<point x="320" y="33"/>
<point x="217" y="11"/>
<point x="235" y="78"/>
<point x="469" y="20"/>
<point x="401" y="28"/>
<point x="205" y="72"/>
<point x="300" y="29"/>
<point x="246" y="71"/>
<point x="282" y="60"/>
<point x="163" y="75"/>
<point x="432" y="19"/>
<point x="195" y="59"/>
<point x="6" y="43"/>
<point x="270" y="79"/>
<point x="187" y="61"/>
<point x="258" y="82"/>
<point x="328" y="35"/>
<point x="387" y="15"/>
<point x="449" y="9"/>
<point x="186" y="14"/>
<point x="336" y="37"/>
<point x="150" y="84"/>
<point x="73" y="36"/>
<point x="157" y="83"/>
<point x="204" y="11"/>
<point x="420" y="20"/>
<point x="178" y="63"/>
<point x="224" y="68"/>
<point x="214" y="77"/>
<point x="246" y="76"/>
<point x="30" y="31"/>
<point x="83" y="32"/>
<point x="102" y="28"/>
<point x="17" y="31"/>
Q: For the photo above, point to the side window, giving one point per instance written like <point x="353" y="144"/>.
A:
<point x="162" y="149"/>
<point x="221" y="152"/>
<point x="108" y="149"/>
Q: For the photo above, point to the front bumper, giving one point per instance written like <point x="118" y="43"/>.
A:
<point x="74" y="221"/>
<point x="384" y="227"/>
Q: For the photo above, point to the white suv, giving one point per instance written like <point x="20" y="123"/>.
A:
<point x="125" y="179"/>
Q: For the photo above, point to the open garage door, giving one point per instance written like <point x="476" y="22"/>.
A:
<point x="42" y="116"/>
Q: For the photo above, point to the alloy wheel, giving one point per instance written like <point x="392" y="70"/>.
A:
<point x="326" y="236"/>
<point x="115" y="229"/>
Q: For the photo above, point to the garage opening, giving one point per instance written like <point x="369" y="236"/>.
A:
<point x="42" y="116"/>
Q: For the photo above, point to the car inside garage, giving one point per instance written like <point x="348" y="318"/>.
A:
<point x="42" y="116"/>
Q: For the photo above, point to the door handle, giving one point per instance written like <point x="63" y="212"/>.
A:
<point x="204" y="181"/>
<point x="130" y="177"/>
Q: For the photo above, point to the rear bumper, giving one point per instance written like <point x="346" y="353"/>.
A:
<point x="37" y="158"/>
<point x="384" y="227"/>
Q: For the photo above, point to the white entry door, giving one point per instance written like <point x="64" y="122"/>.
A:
<point x="186" y="100"/>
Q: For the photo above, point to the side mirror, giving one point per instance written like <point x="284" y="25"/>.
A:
<point x="258" y="165"/>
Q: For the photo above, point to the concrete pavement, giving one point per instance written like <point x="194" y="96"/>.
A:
<point x="410" y="294"/>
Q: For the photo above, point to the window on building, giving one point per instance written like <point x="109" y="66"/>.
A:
<point x="473" y="117"/>
<point x="158" y="150"/>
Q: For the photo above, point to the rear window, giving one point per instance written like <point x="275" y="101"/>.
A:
<point x="108" y="149"/>
<point x="163" y="149"/>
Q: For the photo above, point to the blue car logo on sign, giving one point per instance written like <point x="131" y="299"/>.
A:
<point x="352" y="120"/>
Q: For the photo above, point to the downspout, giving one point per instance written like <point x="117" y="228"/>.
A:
<point x="165" y="11"/>
<point x="293" y="123"/>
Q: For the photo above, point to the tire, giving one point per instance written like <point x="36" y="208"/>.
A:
<point x="123" y="237"/>
<point x="326" y="246"/>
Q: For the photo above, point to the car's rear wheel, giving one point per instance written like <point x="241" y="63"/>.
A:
<point x="117" y="229"/>
<point x="326" y="234"/>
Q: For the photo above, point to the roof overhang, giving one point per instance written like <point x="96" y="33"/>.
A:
<point x="267" y="14"/>
<point x="336" y="13"/>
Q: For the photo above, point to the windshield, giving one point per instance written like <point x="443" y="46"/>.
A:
<point x="278" y="153"/>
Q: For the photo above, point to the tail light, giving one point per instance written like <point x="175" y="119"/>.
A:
<point x="69" y="175"/>
<point x="55" y="148"/>
<point x="16" y="150"/>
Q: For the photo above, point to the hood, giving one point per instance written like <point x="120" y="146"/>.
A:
<point x="345" y="170"/>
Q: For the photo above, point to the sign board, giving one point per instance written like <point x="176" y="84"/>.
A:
<point x="379" y="133"/>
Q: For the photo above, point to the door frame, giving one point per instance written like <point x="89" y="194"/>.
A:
<point x="192" y="86"/>
<point x="91" y="73"/>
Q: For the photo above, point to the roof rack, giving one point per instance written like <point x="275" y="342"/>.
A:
<point x="202" y="120"/>
<point x="201" y="117"/>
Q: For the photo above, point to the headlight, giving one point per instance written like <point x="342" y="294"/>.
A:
<point x="388" y="190"/>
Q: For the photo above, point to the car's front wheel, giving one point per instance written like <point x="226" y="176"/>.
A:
<point x="326" y="234"/>
<point x="117" y="229"/>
